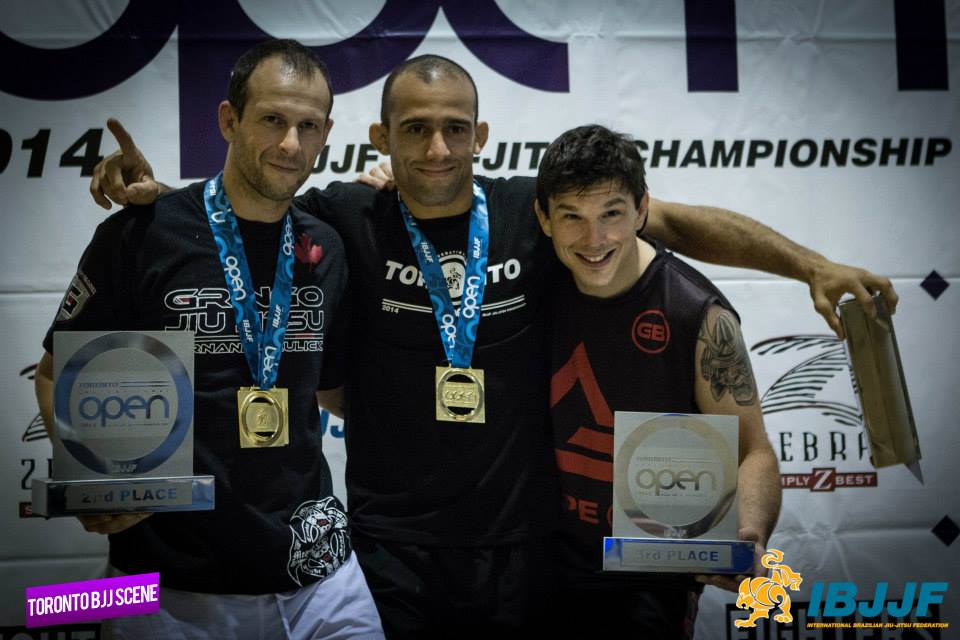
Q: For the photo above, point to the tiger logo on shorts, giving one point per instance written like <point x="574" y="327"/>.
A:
<point x="320" y="540"/>
<point x="763" y="594"/>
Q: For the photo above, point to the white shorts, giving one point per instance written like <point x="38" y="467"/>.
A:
<point x="339" y="606"/>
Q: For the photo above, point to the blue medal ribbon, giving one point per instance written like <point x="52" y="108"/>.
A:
<point x="262" y="348"/>
<point x="458" y="331"/>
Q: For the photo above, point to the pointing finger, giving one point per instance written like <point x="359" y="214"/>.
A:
<point x="124" y="139"/>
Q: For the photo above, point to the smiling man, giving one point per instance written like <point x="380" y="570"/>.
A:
<point x="592" y="201"/>
<point x="274" y="559"/>
<point x="431" y="137"/>
<point x="450" y="477"/>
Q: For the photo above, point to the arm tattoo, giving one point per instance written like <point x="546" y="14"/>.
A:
<point x="725" y="362"/>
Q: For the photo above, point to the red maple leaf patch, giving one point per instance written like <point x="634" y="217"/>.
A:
<point x="306" y="251"/>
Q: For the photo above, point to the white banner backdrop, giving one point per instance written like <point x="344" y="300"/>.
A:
<point x="829" y="123"/>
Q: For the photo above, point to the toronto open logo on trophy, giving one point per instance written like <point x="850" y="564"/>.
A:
<point x="123" y="426"/>
<point x="675" y="495"/>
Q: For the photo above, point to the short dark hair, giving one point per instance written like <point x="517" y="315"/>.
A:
<point x="301" y="60"/>
<point x="585" y="156"/>
<point x="427" y="68"/>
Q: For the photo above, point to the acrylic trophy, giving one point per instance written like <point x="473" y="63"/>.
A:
<point x="123" y="432"/>
<point x="675" y="495"/>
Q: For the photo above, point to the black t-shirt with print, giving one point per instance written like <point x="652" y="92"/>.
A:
<point x="411" y="478"/>
<point x="276" y="525"/>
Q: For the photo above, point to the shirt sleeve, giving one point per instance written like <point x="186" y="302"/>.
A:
<point x="340" y="204"/>
<point x="99" y="296"/>
<point x="316" y="202"/>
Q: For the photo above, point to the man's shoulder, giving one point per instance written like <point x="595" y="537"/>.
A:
<point x="341" y="199"/>
<point x="514" y="186"/>
<point x="680" y="268"/>
<point x="692" y="281"/>
<point x="187" y="197"/>
<point x="169" y="207"/>
<point x="510" y="203"/>
<point x="321" y="232"/>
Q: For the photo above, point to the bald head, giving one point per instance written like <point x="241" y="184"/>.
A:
<point x="427" y="69"/>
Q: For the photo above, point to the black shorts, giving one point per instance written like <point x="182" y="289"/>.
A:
<point x="458" y="592"/>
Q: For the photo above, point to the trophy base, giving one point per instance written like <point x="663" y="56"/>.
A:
<point x="54" y="498"/>
<point x="661" y="555"/>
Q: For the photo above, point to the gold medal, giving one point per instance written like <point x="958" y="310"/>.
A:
<point x="460" y="396"/>
<point x="264" y="417"/>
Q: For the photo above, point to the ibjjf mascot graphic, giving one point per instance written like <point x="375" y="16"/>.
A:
<point x="763" y="594"/>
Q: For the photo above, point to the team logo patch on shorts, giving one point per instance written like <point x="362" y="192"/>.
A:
<point x="651" y="332"/>
<point x="320" y="540"/>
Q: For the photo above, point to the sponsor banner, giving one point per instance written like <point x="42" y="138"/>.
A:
<point x="66" y="603"/>
<point x="815" y="133"/>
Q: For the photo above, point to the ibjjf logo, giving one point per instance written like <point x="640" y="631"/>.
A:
<point x="839" y="599"/>
<point x="764" y="594"/>
<point x="426" y="250"/>
<point x="651" y="331"/>
<point x="277" y="317"/>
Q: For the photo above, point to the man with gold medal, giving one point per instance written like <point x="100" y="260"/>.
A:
<point x="262" y="410"/>
<point x="233" y="261"/>
<point x="460" y="396"/>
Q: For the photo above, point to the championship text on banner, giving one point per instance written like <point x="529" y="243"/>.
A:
<point x="89" y="600"/>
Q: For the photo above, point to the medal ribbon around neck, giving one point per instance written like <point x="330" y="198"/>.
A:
<point x="458" y="333"/>
<point x="262" y="348"/>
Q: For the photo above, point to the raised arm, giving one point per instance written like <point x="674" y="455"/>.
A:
<point x="124" y="177"/>
<point x="724" y="384"/>
<point x="720" y="236"/>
